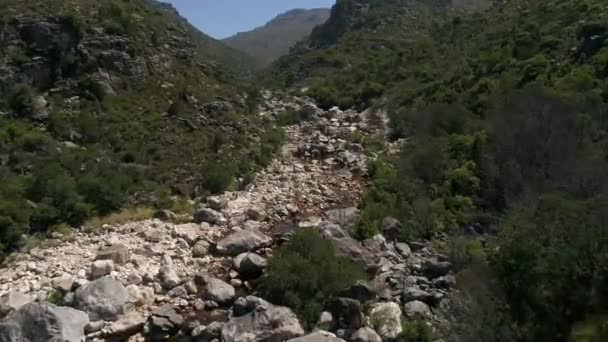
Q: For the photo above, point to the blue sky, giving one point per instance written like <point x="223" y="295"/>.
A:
<point x="223" y="18"/>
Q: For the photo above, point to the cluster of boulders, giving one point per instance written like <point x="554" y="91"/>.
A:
<point x="157" y="280"/>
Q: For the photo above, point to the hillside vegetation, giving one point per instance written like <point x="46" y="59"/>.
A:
<point x="105" y="104"/>
<point x="503" y="110"/>
<point x="275" y="38"/>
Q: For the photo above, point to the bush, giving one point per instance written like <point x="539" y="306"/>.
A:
<point x="218" y="176"/>
<point x="416" y="331"/>
<point x="304" y="273"/>
<point x="22" y="100"/>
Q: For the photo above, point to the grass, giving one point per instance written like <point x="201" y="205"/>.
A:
<point x="121" y="217"/>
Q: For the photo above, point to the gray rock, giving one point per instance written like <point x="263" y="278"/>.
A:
<point x="163" y="323"/>
<point x="63" y="283"/>
<point x="345" y="216"/>
<point x="119" y="254"/>
<point x="391" y="228"/>
<point x="361" y="291"/>
<point x="217" y="202"/>
<point x="417" y="309"/>
<point x="242" y="241"/>
<point x="216" y="290"/>
<point x="403" y="249"/>
<point x="326" y="321"/>
<point x="201" y="249"/>
<point x="256" y="214"/>
<point x="319" y="336"/>
<point x="445" y="282"/>
<point x="100" y="268"/>
<point x="209" y="216"/>
<point x="103" y="299"/>
<point x="168" y="277"/>
<point x="166" y="215"/>
<point x="266" y="322"/>
<point x="436" y="269"/>
<point x="43" y="322"/>
<point x="353" y="250"/>
<point x="332" y="231"/>
<point x="249" y="265"/>
<point x="12" y="301"/>
<point x="365" y="334"/>
<point x="189" y="232"/>
<point x="347" y="313"/>
<point x="414" y="293"/>
<point x="386" y="319"/>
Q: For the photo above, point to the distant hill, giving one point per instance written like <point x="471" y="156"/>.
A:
<point x="269" y="42"/>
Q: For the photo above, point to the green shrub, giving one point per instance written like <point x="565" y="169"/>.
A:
<point x="22" y="100"/>
<point x="416" y="331"/>
<point x="305" y="272"/>
<point x="218" y="176"/>
<point x="55" y="297"/>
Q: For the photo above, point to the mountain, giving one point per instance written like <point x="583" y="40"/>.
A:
<point x="275" y="38"/>
<point x="500" y="109"/>
<point x="110" y="103"/>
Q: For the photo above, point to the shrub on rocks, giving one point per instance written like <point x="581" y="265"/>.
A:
<point x="305" y="272"/>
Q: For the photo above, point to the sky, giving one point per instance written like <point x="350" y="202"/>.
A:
<point x="223" y="18"/>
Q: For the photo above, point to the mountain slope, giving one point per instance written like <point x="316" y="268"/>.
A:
<point x="108" y="103"/>
<point x="275" y="38"/>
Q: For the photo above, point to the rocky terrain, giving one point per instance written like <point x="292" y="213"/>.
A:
<point x="156" y="280"/>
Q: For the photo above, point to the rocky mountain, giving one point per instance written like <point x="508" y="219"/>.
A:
<point x="275" y="38"/>
<point x="105" y="103"/>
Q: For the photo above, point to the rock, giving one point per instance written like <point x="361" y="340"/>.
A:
<point x="386" y="319"/>
<point x="249" y="265"/>
<point x="256" y="214"/>
<point x="345" y="217"/>
<point x="178" y="292"/>
<point x="347" y="313"/>
<point x="445" y="282"/>
<point x="435" y="269"/>
<point x="365" y="334"/>
<point x="319" y="336"/>
<point x="217" y="107"/>
<point x="163" y="323"/>
<point x="119" y="254"/>
<point x="266" y="322"/>
<point x="101" y="268"/>
<point x="190" y="232"/>
<point x="43" y="322"/>
<point x="201" y="249"/>
<point x="209" y="216"/>
<point x="391" y="228"/>
<point x="417" y="309"/>
<point x="217" y="202"/>
<point x="168" y="277"/>
<point x="326" y="321"/>
<point x="166" y="215"/>
<point x="403" y="249"/>
<point x="284" y="230"/>
<point x="416" y="246"/>
<point x="11" y="301"/>
<point x="63" y="283"/>
<point x="332" y="231"/>
<point x="140" y="296"/>
<point x="103" y="299"/>
<point x="361" y="291"/>
<point x="242" y="241"/>
<point x="414" y="293"/>
<point x="125" y="327"/>
<point x="216" y="290"/>
<point x="353" y="250"/>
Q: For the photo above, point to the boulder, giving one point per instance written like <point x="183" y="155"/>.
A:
<point x="190" y="232"/>
<point x="403" y="249"/>
<point x="436" y="269"/>
<point x="417" y="309"/>
<point x="217" y="202"/>
<point x="347" y="313"/>
<point x="11" y="301"/>
<point x="209" y="216"/>
<point x="414" y="293"/>
<point x="103" y="299"/>
<point x="361" y="291"/>
<point x="256" y="214"/>
<point x="63" y="283"/>
<point x="166" y="215"/>
<point x="332" y="231"/>
<point x="100" y="268"/>
<point x="266" y="322"/>
<point x="43" y="322"/>
<point x="168" y="277"/>
<point x="242" y="241"/>
<point x="445" y="282"/>
<point x="391" y="228"/>
<point x="140" y="295"/>
<point x="353" y="250"/>
<point x="365" y="334"/>
<point x="163" y="323"/>
<point x="201" y="249"/>
<point x="216" y="290"/>
<point x="119" y="254"/>
<point x="249" y="265"/>
<point x="344" y="216"/>
<point x="318" y="336"/>
<point x="386" y="319"/>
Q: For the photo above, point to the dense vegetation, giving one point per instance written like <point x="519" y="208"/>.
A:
<point x="305" y="273"/>
<point x="168" y="120"/>
<point x="275" y="38"/>
<point x="504" y="114"/>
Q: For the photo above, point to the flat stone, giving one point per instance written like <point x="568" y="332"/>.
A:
<point x="119" y="254"/>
